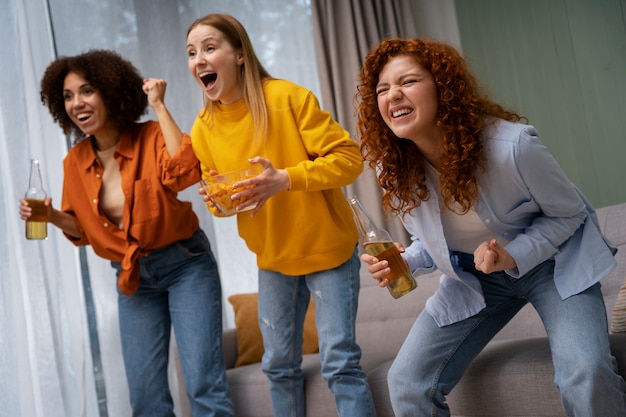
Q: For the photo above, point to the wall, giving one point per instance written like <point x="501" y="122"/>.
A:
<point x="562" y="64"/>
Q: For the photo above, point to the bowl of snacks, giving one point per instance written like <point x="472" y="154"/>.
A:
<point x="220" y="188"/>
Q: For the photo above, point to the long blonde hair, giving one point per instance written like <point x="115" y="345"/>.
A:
<point x="253" y="73"/>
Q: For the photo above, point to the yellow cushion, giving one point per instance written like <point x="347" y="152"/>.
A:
<point x="249" y="338"/>
<point x="618" y="321"/>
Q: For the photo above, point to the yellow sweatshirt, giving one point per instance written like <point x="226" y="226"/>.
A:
<point x="310" y="227"/>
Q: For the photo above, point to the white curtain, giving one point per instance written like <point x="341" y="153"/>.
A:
<point x="45" y="347"/>
<point x="44" y="353"/>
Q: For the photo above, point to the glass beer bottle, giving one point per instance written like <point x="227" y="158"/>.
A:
<point x="377" y="242"/>
<point x="37" y="223"/>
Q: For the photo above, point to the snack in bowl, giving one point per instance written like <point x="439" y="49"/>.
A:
<point x="219" y="188"/>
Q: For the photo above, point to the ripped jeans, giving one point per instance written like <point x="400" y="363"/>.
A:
<point x="283" y="301"/>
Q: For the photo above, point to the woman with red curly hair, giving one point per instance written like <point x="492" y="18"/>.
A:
<point x="487" y="205"/>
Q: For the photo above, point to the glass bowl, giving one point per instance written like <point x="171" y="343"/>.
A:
<point x="219" y="188"/>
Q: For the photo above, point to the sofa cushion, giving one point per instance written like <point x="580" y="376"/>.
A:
<point x="612" y="221"/>
<point x="249" y="338"/>
<point x="618" y="322"/>
<point x="523" y="365"/>
<point x="250" y="390"/>
<point x="377" y="379"/>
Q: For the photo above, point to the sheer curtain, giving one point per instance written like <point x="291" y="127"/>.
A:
<point x="45" y="349"/>
<point x="44" y="355"/>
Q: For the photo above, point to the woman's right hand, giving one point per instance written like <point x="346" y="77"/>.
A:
<point x="379" y="268"/>
<point x="64" y="221"/>
<point x="26" y="211"/>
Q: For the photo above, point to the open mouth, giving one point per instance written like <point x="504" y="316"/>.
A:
<point x="83" y="116"/>
<point x="208" y="78"/>
<point x="401" y="112"/>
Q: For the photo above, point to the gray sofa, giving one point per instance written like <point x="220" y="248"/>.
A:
<point x="513" y="376"/>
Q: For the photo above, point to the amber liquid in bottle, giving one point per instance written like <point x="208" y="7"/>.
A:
<point x="401" y="280"/>
<point x="378" y="243"/>
<point x="37" y="223"/>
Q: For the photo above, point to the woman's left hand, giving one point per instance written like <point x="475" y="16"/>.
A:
<point x="490" y="257"/>
<point x="268" y="183"/>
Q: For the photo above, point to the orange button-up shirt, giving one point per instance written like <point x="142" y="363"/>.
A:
<point x="153" y="216"/>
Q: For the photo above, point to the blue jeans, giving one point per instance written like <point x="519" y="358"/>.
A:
<point x="283" y="301"/>
<point x="433" y="359"/>
<point x="180" y="286"/>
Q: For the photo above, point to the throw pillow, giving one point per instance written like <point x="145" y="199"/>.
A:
<point x="249" y="338"/>
<point x="618" y="322"/>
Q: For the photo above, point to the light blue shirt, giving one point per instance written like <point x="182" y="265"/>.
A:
<point x="524" y="197"/>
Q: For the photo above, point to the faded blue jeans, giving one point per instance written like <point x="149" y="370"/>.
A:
<point x="283" y="301"/>
<point x="179" y="286"/>
<point x="433" y="359"/>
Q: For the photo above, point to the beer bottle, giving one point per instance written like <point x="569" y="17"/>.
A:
<point x="37" y="223"/>
<point x="377" y="242"/>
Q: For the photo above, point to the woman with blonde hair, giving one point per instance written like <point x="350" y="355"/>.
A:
<point x="301" y="230"/>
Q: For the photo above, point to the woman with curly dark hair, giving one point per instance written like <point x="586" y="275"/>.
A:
<point x="486" y="204"/>
<point x="121" y="180"/>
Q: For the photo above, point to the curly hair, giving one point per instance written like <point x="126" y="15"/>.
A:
<point x="461" y="110"/>
<point x="116" y="79"/>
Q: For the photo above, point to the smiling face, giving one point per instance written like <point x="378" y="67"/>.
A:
<point x="84" y="105"/>
<point x="215" y="64"/>
<point x="407" y="100"/>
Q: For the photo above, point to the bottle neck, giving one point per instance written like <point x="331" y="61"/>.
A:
<point x="35" y="182"/>
<point x="368" y="229"/>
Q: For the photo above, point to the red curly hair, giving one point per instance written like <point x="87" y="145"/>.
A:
<point x="461" y="110"/>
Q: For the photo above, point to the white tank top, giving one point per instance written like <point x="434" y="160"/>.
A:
<point x="463" y="232"/>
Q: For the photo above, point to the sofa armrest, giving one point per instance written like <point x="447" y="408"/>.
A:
<point x="229" y="346"/>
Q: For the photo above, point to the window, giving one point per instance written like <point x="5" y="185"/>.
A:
<point x="44" y="320"/>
